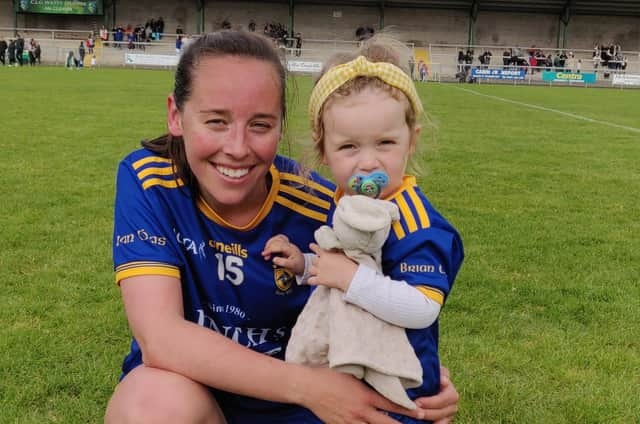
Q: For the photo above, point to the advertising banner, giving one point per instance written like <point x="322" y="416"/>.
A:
<point x="303" y="66"/>
<point x="570" y="77"/>
<point x="61" y="7"/>
<point x="623" y="79"/>
<point x="150" y="59"/>
<point x="503" y="74"/>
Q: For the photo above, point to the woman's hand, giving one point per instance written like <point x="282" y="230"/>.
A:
<point x="338" y="398"/>
<point x="442" y="407"/>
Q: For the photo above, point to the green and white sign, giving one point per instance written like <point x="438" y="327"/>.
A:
<point x="570" y="77"/>
<point x="61" y="7"/>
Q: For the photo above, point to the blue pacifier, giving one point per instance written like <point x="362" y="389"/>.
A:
<point x="369" y="185"/>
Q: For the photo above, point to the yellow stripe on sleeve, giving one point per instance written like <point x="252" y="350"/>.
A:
<point x="305" y="196"/>
<point x="407" y="214"/>
<point x="298" y="179"/>
<point x="136" y="269"/>
<point x="422" y="212"/>
<point x="398" y="230"/>
<point x="144" y="161"/>
<point x="301" y="209"/>
<point x="167" y="170"/>
<point x="431" y="293"/>
<point x="163" y="183"/>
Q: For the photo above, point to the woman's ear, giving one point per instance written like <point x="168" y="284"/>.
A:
<point x="174" y="118"/>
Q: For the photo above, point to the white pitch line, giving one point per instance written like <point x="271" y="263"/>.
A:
<point x="546" y="109"/>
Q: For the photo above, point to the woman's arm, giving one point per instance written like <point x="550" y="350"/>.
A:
<point x="153" y="305"/>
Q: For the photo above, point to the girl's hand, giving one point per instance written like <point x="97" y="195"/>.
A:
<point x="286" y="254"/>
<point x="331" y="269"/>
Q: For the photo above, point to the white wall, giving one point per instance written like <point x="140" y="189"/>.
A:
<point x="584" y="31"/>
<point x="516" y="29"/>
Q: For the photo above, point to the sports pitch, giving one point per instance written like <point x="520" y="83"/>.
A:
<point x="542" y="325"/>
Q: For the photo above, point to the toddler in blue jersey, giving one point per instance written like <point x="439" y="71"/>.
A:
<point x="365" y="114"/>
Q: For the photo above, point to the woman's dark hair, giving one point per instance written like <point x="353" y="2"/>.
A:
<point x="215" y="44"/>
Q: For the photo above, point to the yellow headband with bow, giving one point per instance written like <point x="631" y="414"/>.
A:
<point x="335" y="77"/>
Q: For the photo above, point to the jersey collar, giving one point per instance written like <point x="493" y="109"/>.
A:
<point x="264" y="210"/>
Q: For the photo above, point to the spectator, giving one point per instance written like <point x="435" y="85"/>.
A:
<point x="571" y="62"/>
<point x="563" y="60"/>
<point x="90" y="43"/>
<point x="11" y="51"/>
<point x="160" y="27"/>
<point x="533" y="62"/>
<point x="93" y="62"/>
<point x="19" y="49"/>
<point x="81" y="52"/>
<point x="178" y="44"/>
<point x="364" y="33"/>
<point x="118" y="36"/>
<point x="422" y="71"/>
<point x="38" y="52"/>
<point x="595" y="59"/>
<point x="3" y="48"/>
<point x="557" y="63"/>
<point x="412" y="65"/>
<point x="298" y="44"/>
<point x="549" y="62"/>
<point x="104" y="35"/>
<point x="32" y="54"/>
<point x="252" y="25"/>
<point x="506" y="58"/>
<point x="71" y="62"/>
<point x="485" y="59"/>
<point x="179" y="30"/>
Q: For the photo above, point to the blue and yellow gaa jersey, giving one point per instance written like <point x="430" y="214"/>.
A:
<point x="227" y="286"/>
<point x="426" y="251"/>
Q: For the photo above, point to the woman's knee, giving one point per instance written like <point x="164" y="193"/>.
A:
<point x="149" y="395"/>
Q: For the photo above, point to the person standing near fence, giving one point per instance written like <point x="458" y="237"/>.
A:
<point x="81" y="53"/>
<point x="3" y="48"/>
<point x="19" y="49"/>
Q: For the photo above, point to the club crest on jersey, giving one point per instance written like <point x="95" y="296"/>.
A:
<point x="284" y="279"/>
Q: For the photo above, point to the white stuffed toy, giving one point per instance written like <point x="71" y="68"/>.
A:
<point x="331" y="332"/>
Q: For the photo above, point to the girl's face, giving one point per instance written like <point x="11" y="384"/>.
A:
<point x="231" y="125"/>
<point x="366" y="132"/>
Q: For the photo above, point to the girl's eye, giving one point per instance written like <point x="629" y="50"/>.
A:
<point x="347" y="147"/>
<point x="387" y="142"/>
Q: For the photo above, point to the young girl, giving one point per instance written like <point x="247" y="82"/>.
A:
<point x="364" y="113"/>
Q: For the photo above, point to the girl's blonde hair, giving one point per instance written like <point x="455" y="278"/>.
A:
<point x="380" y="48"/>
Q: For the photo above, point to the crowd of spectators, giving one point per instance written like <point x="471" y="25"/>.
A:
<point x="277" y="32"/>
<point x="364" y="33"/>
<point x="609" y="57"/>
<point x="133" y="37"/>
<point x="16" y="52"/>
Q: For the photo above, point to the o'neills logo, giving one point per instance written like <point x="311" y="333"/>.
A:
<point x="232" y="248"/>
<point x="284" y="279"/>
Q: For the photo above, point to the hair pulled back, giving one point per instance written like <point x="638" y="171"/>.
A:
<point x="212" y="45"/>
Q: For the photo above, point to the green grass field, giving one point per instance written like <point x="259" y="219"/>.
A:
<point x="542" y="326"/>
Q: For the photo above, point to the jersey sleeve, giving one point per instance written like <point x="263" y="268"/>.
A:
<point x="142" y="236"/>
<point x="428" y="259"/>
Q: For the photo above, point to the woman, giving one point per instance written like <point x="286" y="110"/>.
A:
<point x="193" y="212"/>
